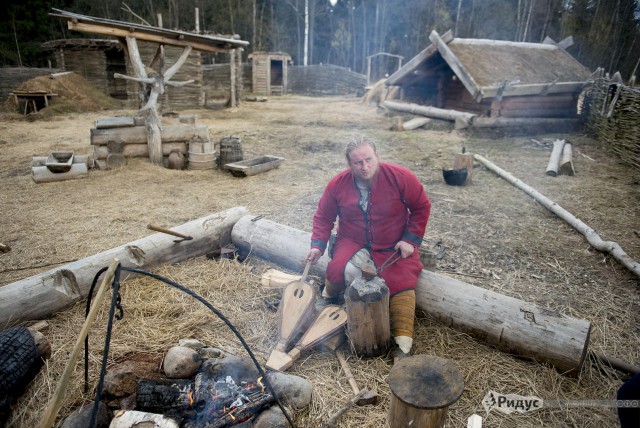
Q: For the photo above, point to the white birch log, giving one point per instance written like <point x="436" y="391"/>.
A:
<point x="510" y="324"/>
<point x="554" y="159"/>
<point x="415" y="123"/>
<point x="438" y="113"/>
<point x="592" y="236"/>
<point x="51" y="291"/>
<point x="566" y="162"/>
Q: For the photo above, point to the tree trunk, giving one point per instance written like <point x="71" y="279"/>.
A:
<point x="566" y="162"/>
<point x="510" y="324"/>
<point x="41" y="295"/>
<point x="137" y="134"/>
<point x="139" y="150"/>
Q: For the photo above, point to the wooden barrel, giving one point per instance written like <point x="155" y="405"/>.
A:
<point x="368" y="324"/>
<point x="230" y="151"/>
<point x="422" y="389"/>
<point x="201" y="154"/>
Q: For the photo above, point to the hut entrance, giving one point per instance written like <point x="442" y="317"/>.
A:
<point x="276" y="76"/>
<point x="117" y="88"/>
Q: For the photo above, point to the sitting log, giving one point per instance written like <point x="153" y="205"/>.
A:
<point x="510" y="324"/>
<point x="554" y="159"/>
<point x="51" y="291"/>
<point x="566" y="161"/>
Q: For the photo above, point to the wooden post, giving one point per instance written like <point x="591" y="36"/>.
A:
<point x="422" y="389"/>
<point x="460" y="161"/>
<point x="397" y="124"/>
<point x="232" y="66"/>
<point x="368" y="324"/>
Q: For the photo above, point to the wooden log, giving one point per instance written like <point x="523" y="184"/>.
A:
<point x="423" y="387"/>
<point x="396" y="124"/>
<point x="510" y="324"/>
<point x="438" y="113"/>
<point x="119" y="122"/>
<point x="554" y="159"/>
<point x="415" y="123"/>
<point x="152" y="126"/>
<point x="138" y="134"/>
<point x="566" y="162"/>
<point x="368" y="324"/>
<point x="160" y="396"/>
<point x="141" y="150"/>
<point x="41" y="174"/>
<point x="505" y="122"/>
<point x="116" y="160"/>
<point x="460" y="161"/>
<point x="41" y="295"/>
<point x="592" y="236"/>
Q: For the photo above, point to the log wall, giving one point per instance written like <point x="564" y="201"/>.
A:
<point x="325" y="80"/>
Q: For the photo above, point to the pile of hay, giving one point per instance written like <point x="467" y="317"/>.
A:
<point x="75" y="94"/>
<point x="380" y="92"/>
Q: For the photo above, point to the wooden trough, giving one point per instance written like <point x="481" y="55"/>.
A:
<point x="254" y="166"/>
<point x="58" y="166"/>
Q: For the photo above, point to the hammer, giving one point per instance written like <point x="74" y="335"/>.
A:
<point x="365" y="396"/>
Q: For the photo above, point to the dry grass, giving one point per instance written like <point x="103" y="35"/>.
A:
<point x="495" y="236"/>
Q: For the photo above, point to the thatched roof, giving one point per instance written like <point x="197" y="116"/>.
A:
<point x="489" y="67"/>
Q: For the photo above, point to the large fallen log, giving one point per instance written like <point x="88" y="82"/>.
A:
<point x="51" y="291"/>
<point x="461" y="118"/>
<point x="510" y="324"/>
<point x="592" y="236"/>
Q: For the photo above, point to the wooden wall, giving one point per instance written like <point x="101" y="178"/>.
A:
<point x="12" y="77"/>
<point x="325" y="80"/>
<point x="261" y="73"/>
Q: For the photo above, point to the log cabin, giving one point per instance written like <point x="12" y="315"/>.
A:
<point x="494" y="79"/>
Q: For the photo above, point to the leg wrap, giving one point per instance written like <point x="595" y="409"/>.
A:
<point x="330" y="289"/>
<point x="402" y="311"/>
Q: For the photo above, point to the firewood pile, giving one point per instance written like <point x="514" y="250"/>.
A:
<point x="613" y="116"/>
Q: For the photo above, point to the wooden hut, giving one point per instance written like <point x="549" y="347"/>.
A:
<point x="94" y="59"/>
<point x="493" y="79"/>
<point x="269" y="71"/>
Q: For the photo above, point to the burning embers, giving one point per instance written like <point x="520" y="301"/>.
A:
<point x="219" y="403"/>
<point x="207" y="402"/>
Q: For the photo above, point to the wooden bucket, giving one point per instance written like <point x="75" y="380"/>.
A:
<point x="201" y="155"/>
<point x="230" y="151"/>
<point x="422" y="389"/>
<point x="368" y="324"/>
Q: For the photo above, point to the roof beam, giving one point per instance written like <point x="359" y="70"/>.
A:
<point x="456" y="66"/>
<point x="117" y="32"/>
<point x="410" y="66"/>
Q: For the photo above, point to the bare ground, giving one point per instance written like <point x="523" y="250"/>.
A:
<point x="495" y="236"/>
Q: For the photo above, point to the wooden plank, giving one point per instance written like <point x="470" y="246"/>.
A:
<point x="534" y="89"/>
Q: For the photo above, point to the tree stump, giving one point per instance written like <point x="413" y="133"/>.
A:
<point x="422" y="389"/>
<point x="368" y="324"/>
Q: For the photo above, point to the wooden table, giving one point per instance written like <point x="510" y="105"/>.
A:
<point x="33" y="99"/>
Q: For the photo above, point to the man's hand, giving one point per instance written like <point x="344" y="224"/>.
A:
<point x="405" y="249"/>
<point x="313" y="256"/>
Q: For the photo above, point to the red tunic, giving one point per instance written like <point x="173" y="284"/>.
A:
<point x="398" y="209"/>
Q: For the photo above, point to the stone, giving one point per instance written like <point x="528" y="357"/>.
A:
<point x="181" y="362"/>
<point x="121" y="379"/>
<point x="191" y="343"/>
<point x="210" y="352"/>
<point x="81" y="418"/>
<point x="241" y="369"/>
<point x="293" y="390"/>
<point x="272" y="418"/>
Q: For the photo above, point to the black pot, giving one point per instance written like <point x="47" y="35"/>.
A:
<point x="455" y="177"/>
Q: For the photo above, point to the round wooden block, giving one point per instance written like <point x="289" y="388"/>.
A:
<point x="426" y="382"/>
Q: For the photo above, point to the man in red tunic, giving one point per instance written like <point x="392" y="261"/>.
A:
<point x="382" y="212"/>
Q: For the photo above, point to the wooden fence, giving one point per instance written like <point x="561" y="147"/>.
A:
<point x="612" y="111"/>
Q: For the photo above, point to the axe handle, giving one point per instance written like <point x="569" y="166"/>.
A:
<point x="168" y="232"/>
<point x="347" y="371"/>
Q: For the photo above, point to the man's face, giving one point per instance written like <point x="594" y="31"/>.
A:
<point x="364" y="163"/>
